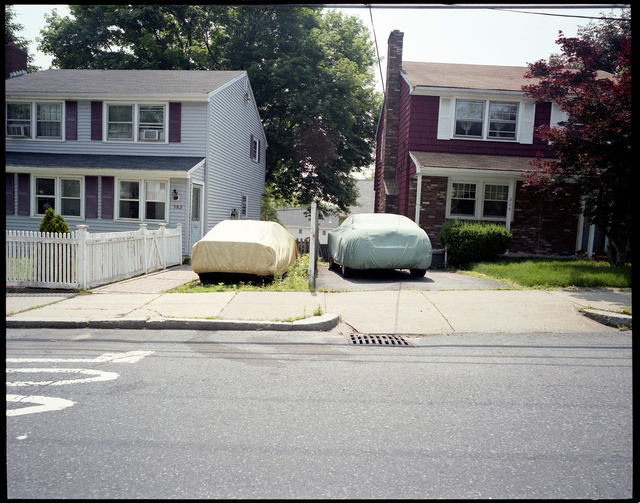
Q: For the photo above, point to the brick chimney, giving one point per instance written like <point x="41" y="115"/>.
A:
<point x="15" y="60"/>
<point x="390" y="122"/>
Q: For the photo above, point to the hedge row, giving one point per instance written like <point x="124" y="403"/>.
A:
<point x="473" y="241"/>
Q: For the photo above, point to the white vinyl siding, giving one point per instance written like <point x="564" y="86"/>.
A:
<point x="231" y="171"/>
<point x="192" y="143"/>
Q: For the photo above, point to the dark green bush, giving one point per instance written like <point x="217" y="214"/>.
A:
<point x="53" y="223"/>
<point x="473" y="241"/>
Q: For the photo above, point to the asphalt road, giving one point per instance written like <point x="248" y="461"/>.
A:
<point x="151" y="414"/>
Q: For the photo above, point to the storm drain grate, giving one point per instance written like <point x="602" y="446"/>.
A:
<point x="378" y="340"/>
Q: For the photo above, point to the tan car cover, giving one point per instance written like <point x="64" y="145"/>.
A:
<point x="245" y="246"/>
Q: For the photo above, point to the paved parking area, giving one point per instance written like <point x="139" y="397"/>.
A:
<point x="435" y="279"/>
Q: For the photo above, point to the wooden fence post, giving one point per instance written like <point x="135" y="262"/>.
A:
<point x="81" y="257"/>
<point x="145" y="256"/>
<point x="163" y="230"/>
<point x="179" y="227"/>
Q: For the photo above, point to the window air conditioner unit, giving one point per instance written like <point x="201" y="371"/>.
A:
<point x="150" y="134"/>
<point x="21" y="131"/>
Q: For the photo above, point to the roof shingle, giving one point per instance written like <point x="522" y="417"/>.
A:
<point x="143" y="82"/>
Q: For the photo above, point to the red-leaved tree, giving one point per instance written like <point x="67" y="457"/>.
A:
<point x="593" y="146"/>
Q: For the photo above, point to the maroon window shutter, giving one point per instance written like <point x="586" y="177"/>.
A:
<point x="24" y="193"/>
<point x="175" y="122"/>
<point x="71" y="121"/>
<point x="107" y="196"/>
<point x="8" y="194"/>
<point x="96" y="120"/>
<point x="91" y="197"/>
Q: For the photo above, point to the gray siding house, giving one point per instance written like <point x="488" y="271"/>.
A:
<point x="115" y="148"/>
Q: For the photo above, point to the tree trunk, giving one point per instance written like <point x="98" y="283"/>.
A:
<point x="617" y="254"/>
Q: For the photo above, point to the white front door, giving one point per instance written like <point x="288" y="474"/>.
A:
<point x="196" y="214"/>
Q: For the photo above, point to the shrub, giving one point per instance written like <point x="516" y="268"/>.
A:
<point x="53" y="223"/>
<point x="473" y="241"/>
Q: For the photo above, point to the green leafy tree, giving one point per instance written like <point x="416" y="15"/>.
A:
<point x="53" y="223"/>
<point x="311" y="73"/>
<point x="606" y="35"/>
<point x="593" y="146"/>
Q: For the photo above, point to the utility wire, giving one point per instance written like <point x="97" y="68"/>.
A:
<point x="373" y="28"/>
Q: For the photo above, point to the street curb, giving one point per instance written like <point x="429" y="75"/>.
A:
<point x="608" y="318"/>
<point x="322" y="323"/>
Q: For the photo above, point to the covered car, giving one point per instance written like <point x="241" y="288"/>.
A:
<point x="244" y="247"/>
<point x="379" y="241"/>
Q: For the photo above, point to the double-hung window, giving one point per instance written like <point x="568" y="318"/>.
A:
<point x="486" y="119"/>
<point x="463" y="199"/>
<point x="21" y="118"/>
<point x="478" y="200"/>
<point x="129" y="196"/>
<point x="503" y="119"/>
<point x="18" y="120"/>
<point x="64" y="195"/>
<point x="495" y="201"/>
<point x="120" y="122"/>
<point x="243" y="206"/>
<point x="136" y="197"/>
<point x="48" y="120"/>
<point x="136" y="122"/>
<point x="469" y="118"/>
<point x="155" y="200"/>
<point x="151" y="122"/>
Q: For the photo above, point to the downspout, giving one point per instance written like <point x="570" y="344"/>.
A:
<point x="418" y="197"/>
<point x="510" y="205"/>
<point x="418" y="188"/>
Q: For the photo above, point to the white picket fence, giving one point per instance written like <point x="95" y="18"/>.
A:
<point x="82" y="260"/>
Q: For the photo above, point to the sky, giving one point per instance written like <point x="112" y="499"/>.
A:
<point x="510" y="36"/>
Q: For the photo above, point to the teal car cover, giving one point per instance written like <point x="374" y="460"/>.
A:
<point x="379" y="241"/>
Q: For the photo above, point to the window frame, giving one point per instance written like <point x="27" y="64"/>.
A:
<point x="487" y="121"/>
<point x="38" y="121"/>
<point x="480" y="199"/>
<point x="137" y="125"/>
<point x="244" y="206"/>
<point x="57" y="195"/>
<point x="32" y="122"/>
<point x="142" y="199"/>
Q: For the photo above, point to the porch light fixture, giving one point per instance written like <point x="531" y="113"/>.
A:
<point x="234" y="214"/>
<point x="175" y="195"/>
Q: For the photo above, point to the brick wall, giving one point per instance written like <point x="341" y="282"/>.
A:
<point x="433" y="208"/>
<point x="15" y="59"/>
<point x="390" y="125"/>
<point x="542" y="225"/>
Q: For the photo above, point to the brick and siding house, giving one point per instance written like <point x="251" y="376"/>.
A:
<point x="457" y="138"/>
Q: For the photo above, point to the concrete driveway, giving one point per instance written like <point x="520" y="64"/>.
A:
<point x="437" y="279"/>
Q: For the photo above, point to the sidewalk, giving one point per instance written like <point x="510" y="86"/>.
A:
<point x="144" y="302"/>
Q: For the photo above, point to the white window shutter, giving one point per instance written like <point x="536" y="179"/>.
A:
<point x="444" y="118"/>
<point x="528" y="116"/>
<point x="557" y="115"/>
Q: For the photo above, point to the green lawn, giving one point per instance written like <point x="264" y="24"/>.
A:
<point x="554" y="273"/>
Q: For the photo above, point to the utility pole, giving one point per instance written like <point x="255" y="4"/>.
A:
<point x="313" y="246"/>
